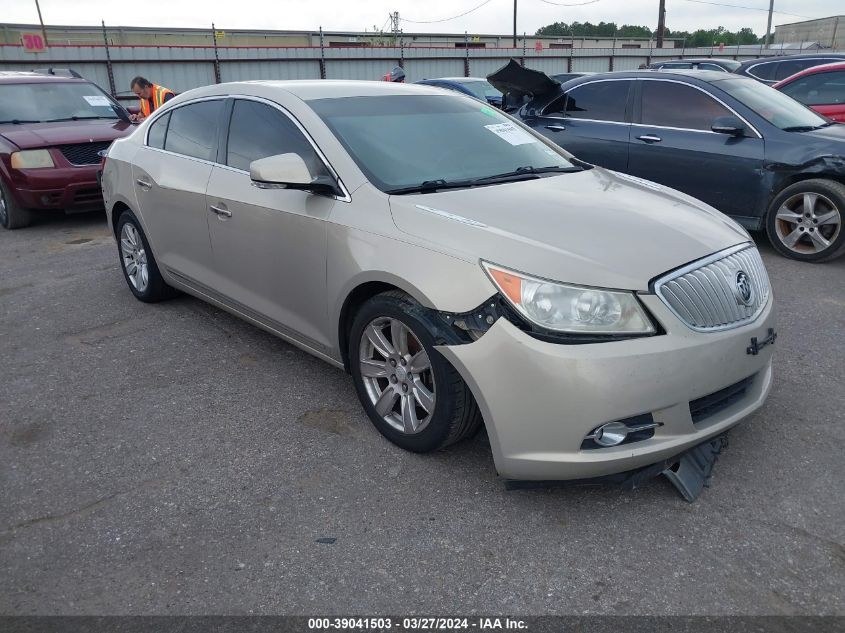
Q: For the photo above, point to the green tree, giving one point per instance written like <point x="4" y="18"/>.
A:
<point x="631" y="30"/>
<point x="701" y="38"/>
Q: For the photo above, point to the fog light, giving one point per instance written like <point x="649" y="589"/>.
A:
<point x="611" y="434"/>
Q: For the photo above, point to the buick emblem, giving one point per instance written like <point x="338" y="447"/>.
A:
<point x="744" y="292"/>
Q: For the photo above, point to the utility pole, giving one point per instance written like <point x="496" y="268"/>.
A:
<point x="43" y="30"/>
<point x="769" y="23"/>
<point x="661" y="23"/>
<point x="394" y="25"/>
<point x="514" y="23"/>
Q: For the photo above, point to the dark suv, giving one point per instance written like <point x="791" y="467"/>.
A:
<point x="52" y="129"/>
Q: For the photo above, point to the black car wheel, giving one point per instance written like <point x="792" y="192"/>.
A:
<point x="411" y="393"/>
<point x="137" y="262"/>
<point x="12" y="215"/>
<point x="805" y="221"/>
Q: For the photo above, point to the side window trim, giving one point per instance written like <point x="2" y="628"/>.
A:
<point x="344" y="198"/>
<point x="639" y="119"/>
<point x="565" y="97"/>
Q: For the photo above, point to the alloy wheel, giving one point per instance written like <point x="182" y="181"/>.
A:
<point x="808" y="223"/>
<point x="397" y="375"/>
<point x="134" y="257"/>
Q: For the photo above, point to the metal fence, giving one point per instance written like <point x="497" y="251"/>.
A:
<point x="181" y="68"/>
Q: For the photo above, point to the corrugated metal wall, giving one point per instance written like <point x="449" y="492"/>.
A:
<point x="184" y="67"/>
<point x="244" y="71"/>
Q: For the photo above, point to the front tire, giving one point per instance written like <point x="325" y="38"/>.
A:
<point x="411" y="393"/>
<point x="12" y="215"/>
<point x="137" y="262"/>
<point x="805" y="221"/>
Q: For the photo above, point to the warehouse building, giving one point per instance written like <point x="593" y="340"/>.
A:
<point x="828" y="32"/>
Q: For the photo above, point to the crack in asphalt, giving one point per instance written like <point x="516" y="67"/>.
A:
<point x="86" y="509"/>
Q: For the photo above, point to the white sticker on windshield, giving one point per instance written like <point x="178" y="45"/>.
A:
<point x="511" y="133"/>
<point x="98" y="101"/>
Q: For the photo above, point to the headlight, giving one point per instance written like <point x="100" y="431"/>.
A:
<point x="573" y="309"/>
<point x="32" y="159"/>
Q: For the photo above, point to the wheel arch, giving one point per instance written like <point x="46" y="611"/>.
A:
<point x="116" y="211"/>
<point x="802" y="176"/>
<point x="361" y="292"/>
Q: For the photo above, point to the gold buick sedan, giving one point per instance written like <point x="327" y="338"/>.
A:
<point x="462" y="268"/>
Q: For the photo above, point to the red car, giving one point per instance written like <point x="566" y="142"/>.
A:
<point x="820" y="87"/>
<point x="52" y="129"/>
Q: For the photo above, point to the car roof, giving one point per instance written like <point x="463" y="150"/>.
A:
<point x="694" y="60"/>
<point x="26" y="77"/>
<point x="778" y="58"/>
<point x="707" y="76"/>
<point x="309" y="89"/>
<point x="458" y="80"/>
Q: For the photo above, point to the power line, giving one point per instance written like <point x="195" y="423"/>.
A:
<point x="454" y="17"/>
<point x="736" y="6"/>
<point x="569" y="4"/>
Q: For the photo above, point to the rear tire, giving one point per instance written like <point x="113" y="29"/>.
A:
<point x="137" y="262"/>
<point x="411" y="393"/>
<point x="806" y="221"/>
<point x="12" y="215"/>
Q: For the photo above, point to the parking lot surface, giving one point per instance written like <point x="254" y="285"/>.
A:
<point x="170" y="458"/>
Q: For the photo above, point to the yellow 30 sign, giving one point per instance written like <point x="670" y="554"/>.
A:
<point x="33" y="42"/>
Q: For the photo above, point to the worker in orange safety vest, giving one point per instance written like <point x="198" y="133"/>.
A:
<point x="150" y="97"/>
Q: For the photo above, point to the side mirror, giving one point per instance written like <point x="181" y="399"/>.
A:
<point x="729" y="125"/>
<point x="289" y="171"/>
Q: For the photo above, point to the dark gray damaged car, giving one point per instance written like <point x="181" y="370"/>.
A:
<point x="753" y="153"/>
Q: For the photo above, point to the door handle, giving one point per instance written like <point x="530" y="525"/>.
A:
<point x="556" y="128"/>
<point x="143" y="184"/>
<point x="650" y="138"/>
<point x="221" y="212"/>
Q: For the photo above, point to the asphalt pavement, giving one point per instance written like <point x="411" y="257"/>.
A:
<point x="171" y="459"/>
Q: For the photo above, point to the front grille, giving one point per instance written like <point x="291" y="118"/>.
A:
<point x="84" y="153"/>
<point x="706" y="294"/>
<point x="710" y="405"/>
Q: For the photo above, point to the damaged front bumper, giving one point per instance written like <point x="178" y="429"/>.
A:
<point x="540" y="400"/>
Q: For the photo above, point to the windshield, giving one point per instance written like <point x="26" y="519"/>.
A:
<point x="404" y="140"/>
<point x="778" y="109"/>
<point x="481" y="89"/>
<point x="51" y="101"/>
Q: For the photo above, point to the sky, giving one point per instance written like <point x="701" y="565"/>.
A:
<point x="495" y="16"/>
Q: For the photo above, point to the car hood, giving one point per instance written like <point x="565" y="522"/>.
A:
<point x="835" y="132"/>
<point x="595" y="228"/>
<point x="35" y="135"/>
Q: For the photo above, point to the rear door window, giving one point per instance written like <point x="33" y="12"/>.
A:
<point x="709" y="66"/>
<point x="258" y="130"/>
<point x="672" y="104"/>
<point x="598" y="101"/>
<point x="764" y="70"/>
<point x="158" y="131"/>
<point x="193" y="129"/>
